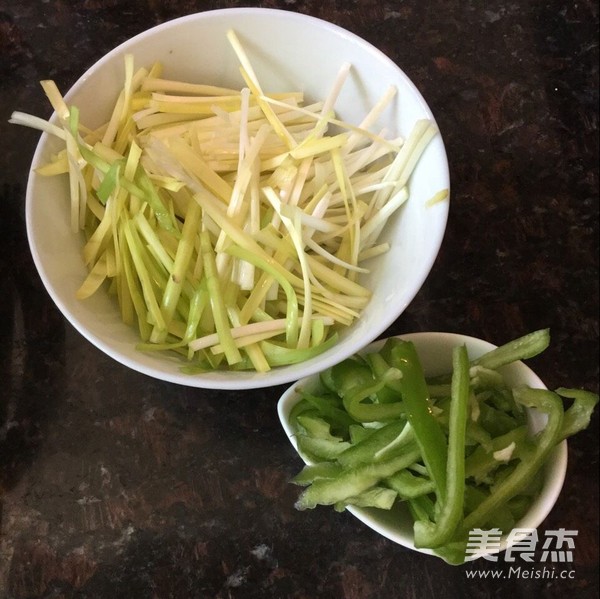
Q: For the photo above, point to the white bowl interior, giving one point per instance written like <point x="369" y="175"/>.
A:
<point x="289" y="51"/>
<point x="435" y="353"/>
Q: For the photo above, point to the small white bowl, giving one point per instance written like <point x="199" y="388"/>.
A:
<point x="435" y="353"/>
<point x="289" y="51"/>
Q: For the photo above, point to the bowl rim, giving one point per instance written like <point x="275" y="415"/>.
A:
<point x="555" y="467"/>
<point x="232" y="379"/>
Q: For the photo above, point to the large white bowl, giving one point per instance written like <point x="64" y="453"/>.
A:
<point x="435" y="354"/>
<point x="289" y="51"/>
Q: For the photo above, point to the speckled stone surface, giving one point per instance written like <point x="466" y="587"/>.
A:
<point x="116" y="485"/>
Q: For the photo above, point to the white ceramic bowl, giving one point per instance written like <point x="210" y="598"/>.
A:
<point x="435" y="353"/>
<point x="289" y="51"/>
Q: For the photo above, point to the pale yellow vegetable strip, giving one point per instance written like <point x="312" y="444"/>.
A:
<point x="133" y="159"/>
<point x="95" y="207"/>
<point x="440" y="196"/>
<point x="337" y="281"/>
<point x="350" y="206"/>
<point x="135" y="292"/>
<point x="56" y="99"/>
<point x="195" y="165"/>
<point x="168" y="183"/>
<point x="338" y="84"/>
<point x="372" y="155"/>
<point x="94" y="279"/>
<point x="339" y="313"/>
<point x="252" y="82"/>
<point x="143" y="275"/>
<point x="272" y="270"/>
<point x="318" y="202"/>
<point x="373" y="251"/>
<point x="150" y="236"/>
<point x="269" y="113"/>
<point x="371" y="117"/>
<point x="126" y="304"/>
<point x="244" y="138"/>
<point x="293" y="227"/>
<point x="245" y="171"/>
<point x="151" y="119"/>
<point x="131" y="165"/>
<point x="114" y="122"/>
<point x="252" y="227"/>
<point x="127" y="88"/>
<point x="414" y="157"/>
<point x="352" y="303"/>
<point x="197" y="108"/>
<point x="35" y="122"/>
<point x="111" y="261"/>
<point x="399" y="164"/>
<point x="256" y="297"/>
<point x="249" y="341"/>
<point x="277" y="325"/>
<point x="210" y="101"/>
<point x="76" y="184"/>
<point x="284" y="249"/>
<point x="106" y="153"/>
<point x="59" y="166"/>
<point x="315" y="223"/>
<point x="252" y="349"/>
<point x="177" y="276"/>
<point x="124" y="134"/>
<point x="311" y="147"/>
<point x="343" y="124"/>
<point x="218" y="307"/>
<point x="248" y="153"/>
<point x="94" y="243"/>
<point x="315" y="247"/>
<point x="211" y="207"/>
<point x="181" y="87"/>
<point x="324" y="237"/>
<point x="372" y="228"/>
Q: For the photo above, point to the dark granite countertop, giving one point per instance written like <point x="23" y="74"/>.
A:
<point x="113" y="484"/>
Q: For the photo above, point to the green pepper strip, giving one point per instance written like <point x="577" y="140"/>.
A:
<point x="415" y="398"/>
<point x="337" y="418"/>
<point x="348" y="375"/>
<point x="522" y="348"/>
<point x="354" y="481"/>
<point x="312" y="472"/>
<point x="409" y="485"/>
<point x="371" y="412"/>
<point x="380" y="369"/>
<point x="577" y="417"/>
<point x="501" y="518"/>
<point x="318" y="449"/>
<point x="482" y="461"/>
<point x="429" y="534"/>
<point x="354" y="382"/>
<point x="545" y="401"/>
<point x="367" y="450"/>
<point x="421" y="508"/>
<point x="378" y="497"/>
